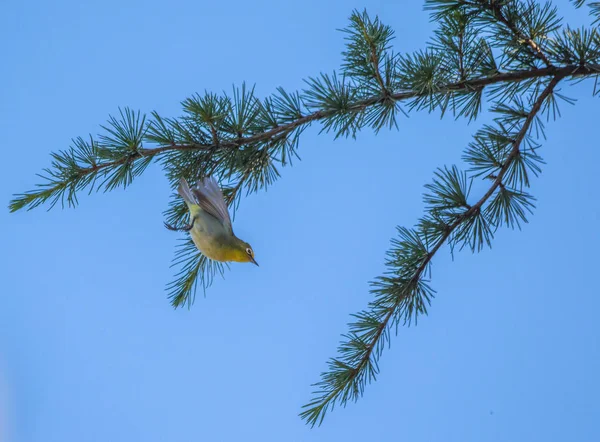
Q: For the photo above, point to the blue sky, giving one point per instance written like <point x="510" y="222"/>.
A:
<point x="90" y="349"/>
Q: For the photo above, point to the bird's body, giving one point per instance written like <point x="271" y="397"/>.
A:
<point x="210" y="224"/>
<point x="209" y="236"/>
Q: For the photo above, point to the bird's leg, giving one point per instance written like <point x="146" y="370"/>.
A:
<point x="186" y="228"/>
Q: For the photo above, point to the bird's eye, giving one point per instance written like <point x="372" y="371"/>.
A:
<point x="249" y="251"/>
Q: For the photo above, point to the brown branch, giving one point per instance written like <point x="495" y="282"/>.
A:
<point x="215" y="136"/>
<point x="463" y="217"/>
<point x="461" y="55"/>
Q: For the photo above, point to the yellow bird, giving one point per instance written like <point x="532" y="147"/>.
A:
<point x="210" y="224"/>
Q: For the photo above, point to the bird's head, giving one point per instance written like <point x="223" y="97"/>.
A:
<point x="242" y="252"/>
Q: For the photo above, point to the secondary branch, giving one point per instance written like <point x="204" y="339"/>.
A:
<point x="472" y="211"/>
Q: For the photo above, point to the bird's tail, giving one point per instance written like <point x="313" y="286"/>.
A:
<point x="186" y="193"/>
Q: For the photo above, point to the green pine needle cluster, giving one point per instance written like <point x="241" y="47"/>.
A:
<point x="505" y="56"/>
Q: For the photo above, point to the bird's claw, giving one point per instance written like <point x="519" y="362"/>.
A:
<point x="186" y="228"/>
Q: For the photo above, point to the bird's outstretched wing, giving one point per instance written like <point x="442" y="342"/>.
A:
<point x="209" y="197"/>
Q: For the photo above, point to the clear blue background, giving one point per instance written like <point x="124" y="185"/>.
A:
<point x="90" y="349"/>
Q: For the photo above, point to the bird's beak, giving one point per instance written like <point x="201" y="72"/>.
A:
<point x="254" y="261"/>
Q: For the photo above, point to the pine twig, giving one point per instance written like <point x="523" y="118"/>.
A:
<point x="496" y="10"/>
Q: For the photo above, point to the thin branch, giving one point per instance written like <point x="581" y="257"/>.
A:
<point x="473" y="210"/>
<point x="374" y="60"/>
<point x="461" y="55"/>
<point x="496" y="10"/>
<point x="215" y="136"/>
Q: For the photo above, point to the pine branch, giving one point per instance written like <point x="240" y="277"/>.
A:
<point x="346" y="381"/>
<point x="34" y="198"/>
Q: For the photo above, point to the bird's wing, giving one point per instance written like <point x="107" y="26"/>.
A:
<point x="184" y="191"/>
<point x="210" y="198"/>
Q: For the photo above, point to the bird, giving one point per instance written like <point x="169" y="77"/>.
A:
<point x="210" y="224"/>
